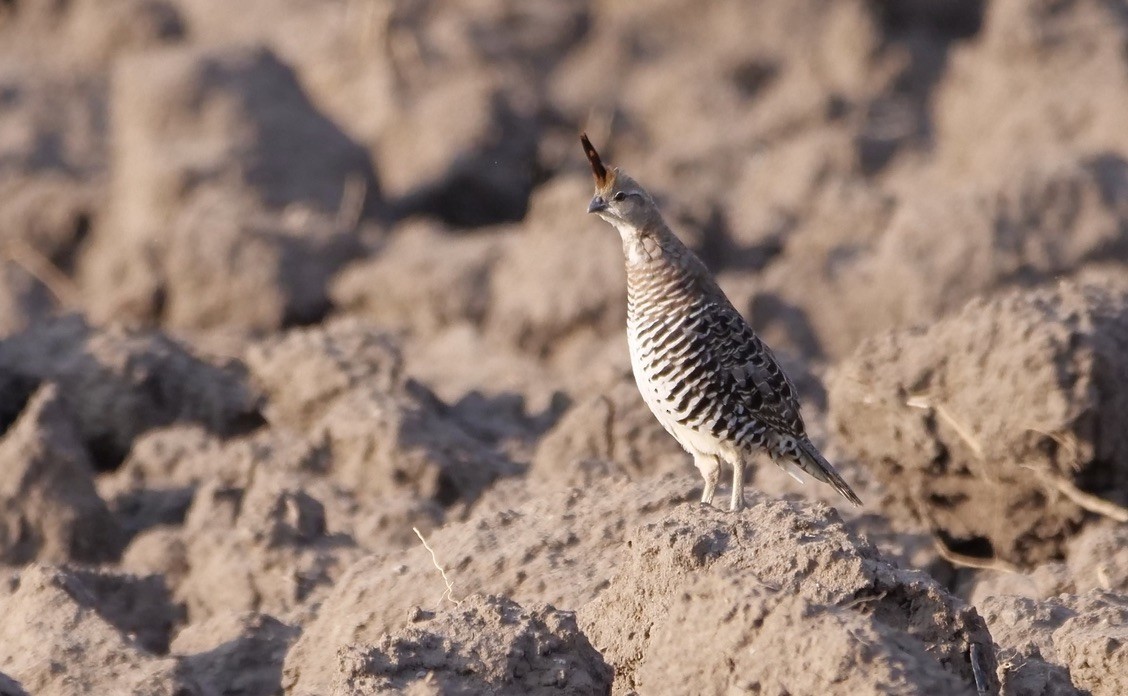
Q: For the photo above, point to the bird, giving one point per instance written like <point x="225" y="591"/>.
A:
<point x="711" y="382"/>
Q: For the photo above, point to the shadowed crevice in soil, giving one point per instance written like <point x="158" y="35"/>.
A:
<point x="283" y="159"/>
<point x="119" y="384"/>
<point x="926" y="31"/>
<point x="486" y="185"/>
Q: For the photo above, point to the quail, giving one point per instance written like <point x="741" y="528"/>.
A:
<point x="708" y="378"/>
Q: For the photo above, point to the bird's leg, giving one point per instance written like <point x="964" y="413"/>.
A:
<point x="710" y="470"/>
<point x="737" y="484"/>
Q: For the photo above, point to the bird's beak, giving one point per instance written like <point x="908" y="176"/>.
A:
<point x="597" y="205"/>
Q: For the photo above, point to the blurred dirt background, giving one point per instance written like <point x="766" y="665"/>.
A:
<point x="283" y="280"/>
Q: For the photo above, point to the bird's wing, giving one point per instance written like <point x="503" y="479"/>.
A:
<point x="746" y="369"/>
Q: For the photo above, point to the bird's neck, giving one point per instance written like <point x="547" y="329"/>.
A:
<point x="660" y="267"/>
<point x="652" y="244"/>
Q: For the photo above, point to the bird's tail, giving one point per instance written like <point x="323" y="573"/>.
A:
<point x="811" y="461"/>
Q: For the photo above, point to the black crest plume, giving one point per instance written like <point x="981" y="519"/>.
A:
<point x="597" y="167"/>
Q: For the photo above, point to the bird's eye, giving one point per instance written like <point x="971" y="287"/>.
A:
<point x="619" y="196"/>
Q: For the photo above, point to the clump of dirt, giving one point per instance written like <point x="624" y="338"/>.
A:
<point x="1047" y="222"/>
<point x="493" y="129"/>
<point x="805" y="298"/>
<point x="478" y="164"/>
<point x="485" y="644"/>
<point x="992" y="426"/>
<point x="937" y="251"/>
<point x="777" y="572"/>
<point x="615" y="427"/>
<point x="1097" y="558"/>
<point x="550" y="545"/>
<point x="383" y="432"/>
<point x="52" y="613"/>
<point x="139" y="606"/>
<point x="263" y="547"/>
<point x="235" y="653"/>
<point x="796" y="551"/>
<point x="49" y="508"/>
<point x="251" y="524"/>
<point x="223" y="217"/>
<point x="119" y="383"/>
<point x="1060" y="62"/>
<point x="897" y="259"/>
<point x="751" y="623"/>
<point x="423" y="279"/>
<point x="1067" y="644"/>
<point x="548" y="251"/>
<point x="305" y="370"/>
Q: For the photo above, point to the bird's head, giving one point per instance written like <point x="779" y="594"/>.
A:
<point x="618" y="198"/>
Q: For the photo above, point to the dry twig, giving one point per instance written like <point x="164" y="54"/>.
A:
<point x="449" y="592"/>
<point x="962" y="430"/>
<point x="954" y="557"/>
<point x="1086" y="501"/>
<point x="965" y="561"/>
<point x="42" y="269"/>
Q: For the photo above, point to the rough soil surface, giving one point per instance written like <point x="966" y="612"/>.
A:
<point x="51" y="510"/>
<point x="235" y="653"/>
<point x="289" y="287"/>
<point x="484" y="644"/>
<point x="1068" y="644"/>
<point x="552" y="545"/>
<point x="59" y="639"/>
<point x="119" y="383"/>
<point x="1000" y="467"/>
<point x="778" y="574"/>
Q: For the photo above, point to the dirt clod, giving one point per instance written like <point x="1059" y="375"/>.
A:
<point x="753" y="581"/>
<point x="51" y="510"/>
<point x="991" y="426"/>
<point x="53" y="614"/>
<point x="485" y="644"/>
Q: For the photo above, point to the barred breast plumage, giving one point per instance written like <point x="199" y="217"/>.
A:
<point x="680" y="338"/>
<point x="709" y="379"/>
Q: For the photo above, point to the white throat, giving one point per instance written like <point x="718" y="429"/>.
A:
<point x="638" y="248"/>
